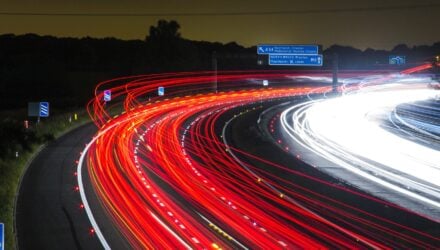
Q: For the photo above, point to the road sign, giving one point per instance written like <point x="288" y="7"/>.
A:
<point x="33" y="109"/>
<point x="296" y="60"/>
<point x="160" y="91"/>
<point x="2" y="236"/>
<point x="397" y="60"/>
<point x="107" y="95"/>
<point x="44" y="109"/>
<point x="265" y="49"/>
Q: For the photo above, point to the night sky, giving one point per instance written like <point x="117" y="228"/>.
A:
<point x="311" y="21"/>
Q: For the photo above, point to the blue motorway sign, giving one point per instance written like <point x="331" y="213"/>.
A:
<point x="44" y="109"/>
<point x="265" y="49"/>
<point x="2" y="236"/>
<point x="160" y="91"/>
<point x="296" y="60"/>
<point x="107" y="95"/>
<point x="397" y="60"/>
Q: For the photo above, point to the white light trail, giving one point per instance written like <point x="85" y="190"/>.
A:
<point x="347" y="131"/>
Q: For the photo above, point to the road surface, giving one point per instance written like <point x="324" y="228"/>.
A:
<point x="48" y="212"/>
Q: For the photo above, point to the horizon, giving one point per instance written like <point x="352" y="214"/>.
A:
<point x="373" y="24"/>
<point x="410" y="46"/>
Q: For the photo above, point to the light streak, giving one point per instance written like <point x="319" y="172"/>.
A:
<point x="161" y="170"/>
<point x="347" y="131"/>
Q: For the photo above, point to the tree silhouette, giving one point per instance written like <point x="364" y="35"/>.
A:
<point x="165" y="46"/>
<point x="164" y="31"/>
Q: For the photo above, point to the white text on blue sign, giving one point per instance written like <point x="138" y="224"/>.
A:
<point x="265" y="49"/>
<point x="296" y="60"/>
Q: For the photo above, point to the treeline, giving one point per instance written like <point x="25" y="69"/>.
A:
<point x="352" y="58"/>
<point x="64" y="71"/>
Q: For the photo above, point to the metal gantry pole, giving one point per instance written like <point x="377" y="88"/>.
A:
<point x="214" y="67"/>
<point x="335" y="72"/>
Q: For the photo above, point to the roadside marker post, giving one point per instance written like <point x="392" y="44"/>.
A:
<point x="160" y="91"/>
<point x="44" y="109"/>
<point x="107" y="95"/>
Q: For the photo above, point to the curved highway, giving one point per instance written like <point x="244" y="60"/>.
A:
<point x="201" y="167"/>
<point x="347" y="132"/>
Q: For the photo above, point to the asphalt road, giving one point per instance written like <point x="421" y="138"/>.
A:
<point x="48" y="207"/>
<point x="244" y="133"/>
<point x="48" y="213"/>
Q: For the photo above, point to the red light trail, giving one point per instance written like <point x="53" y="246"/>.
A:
<point x="165" y="177"/>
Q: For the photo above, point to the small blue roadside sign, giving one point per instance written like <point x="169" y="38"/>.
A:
<point x="265" y="49"/>
<point x="161" y="91"/>
<point x="44" y="109"/>
<point x="397" y="60"/>
<point x="107" y="95"/>
<point x="296" y="60"/>
<point x="2" y="236"/>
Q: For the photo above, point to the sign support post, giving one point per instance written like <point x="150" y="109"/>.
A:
<point x="335" y="72"/>
<point x="2" y="236"/>
<point x="214" y="66"/>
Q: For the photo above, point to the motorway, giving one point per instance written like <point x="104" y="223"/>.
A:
<point x="324" y="192"/>
<point x="195" y="169"/>
<point x="347" y="132"/>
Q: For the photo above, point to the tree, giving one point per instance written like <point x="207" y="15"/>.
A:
<point x="164" y="31"/>
<point x="164" y="46"/>
<point x="402" y="49"/>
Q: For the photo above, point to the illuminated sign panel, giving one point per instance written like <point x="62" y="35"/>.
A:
<point x="267" y="49"/>
<point x="296" y="60"/>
